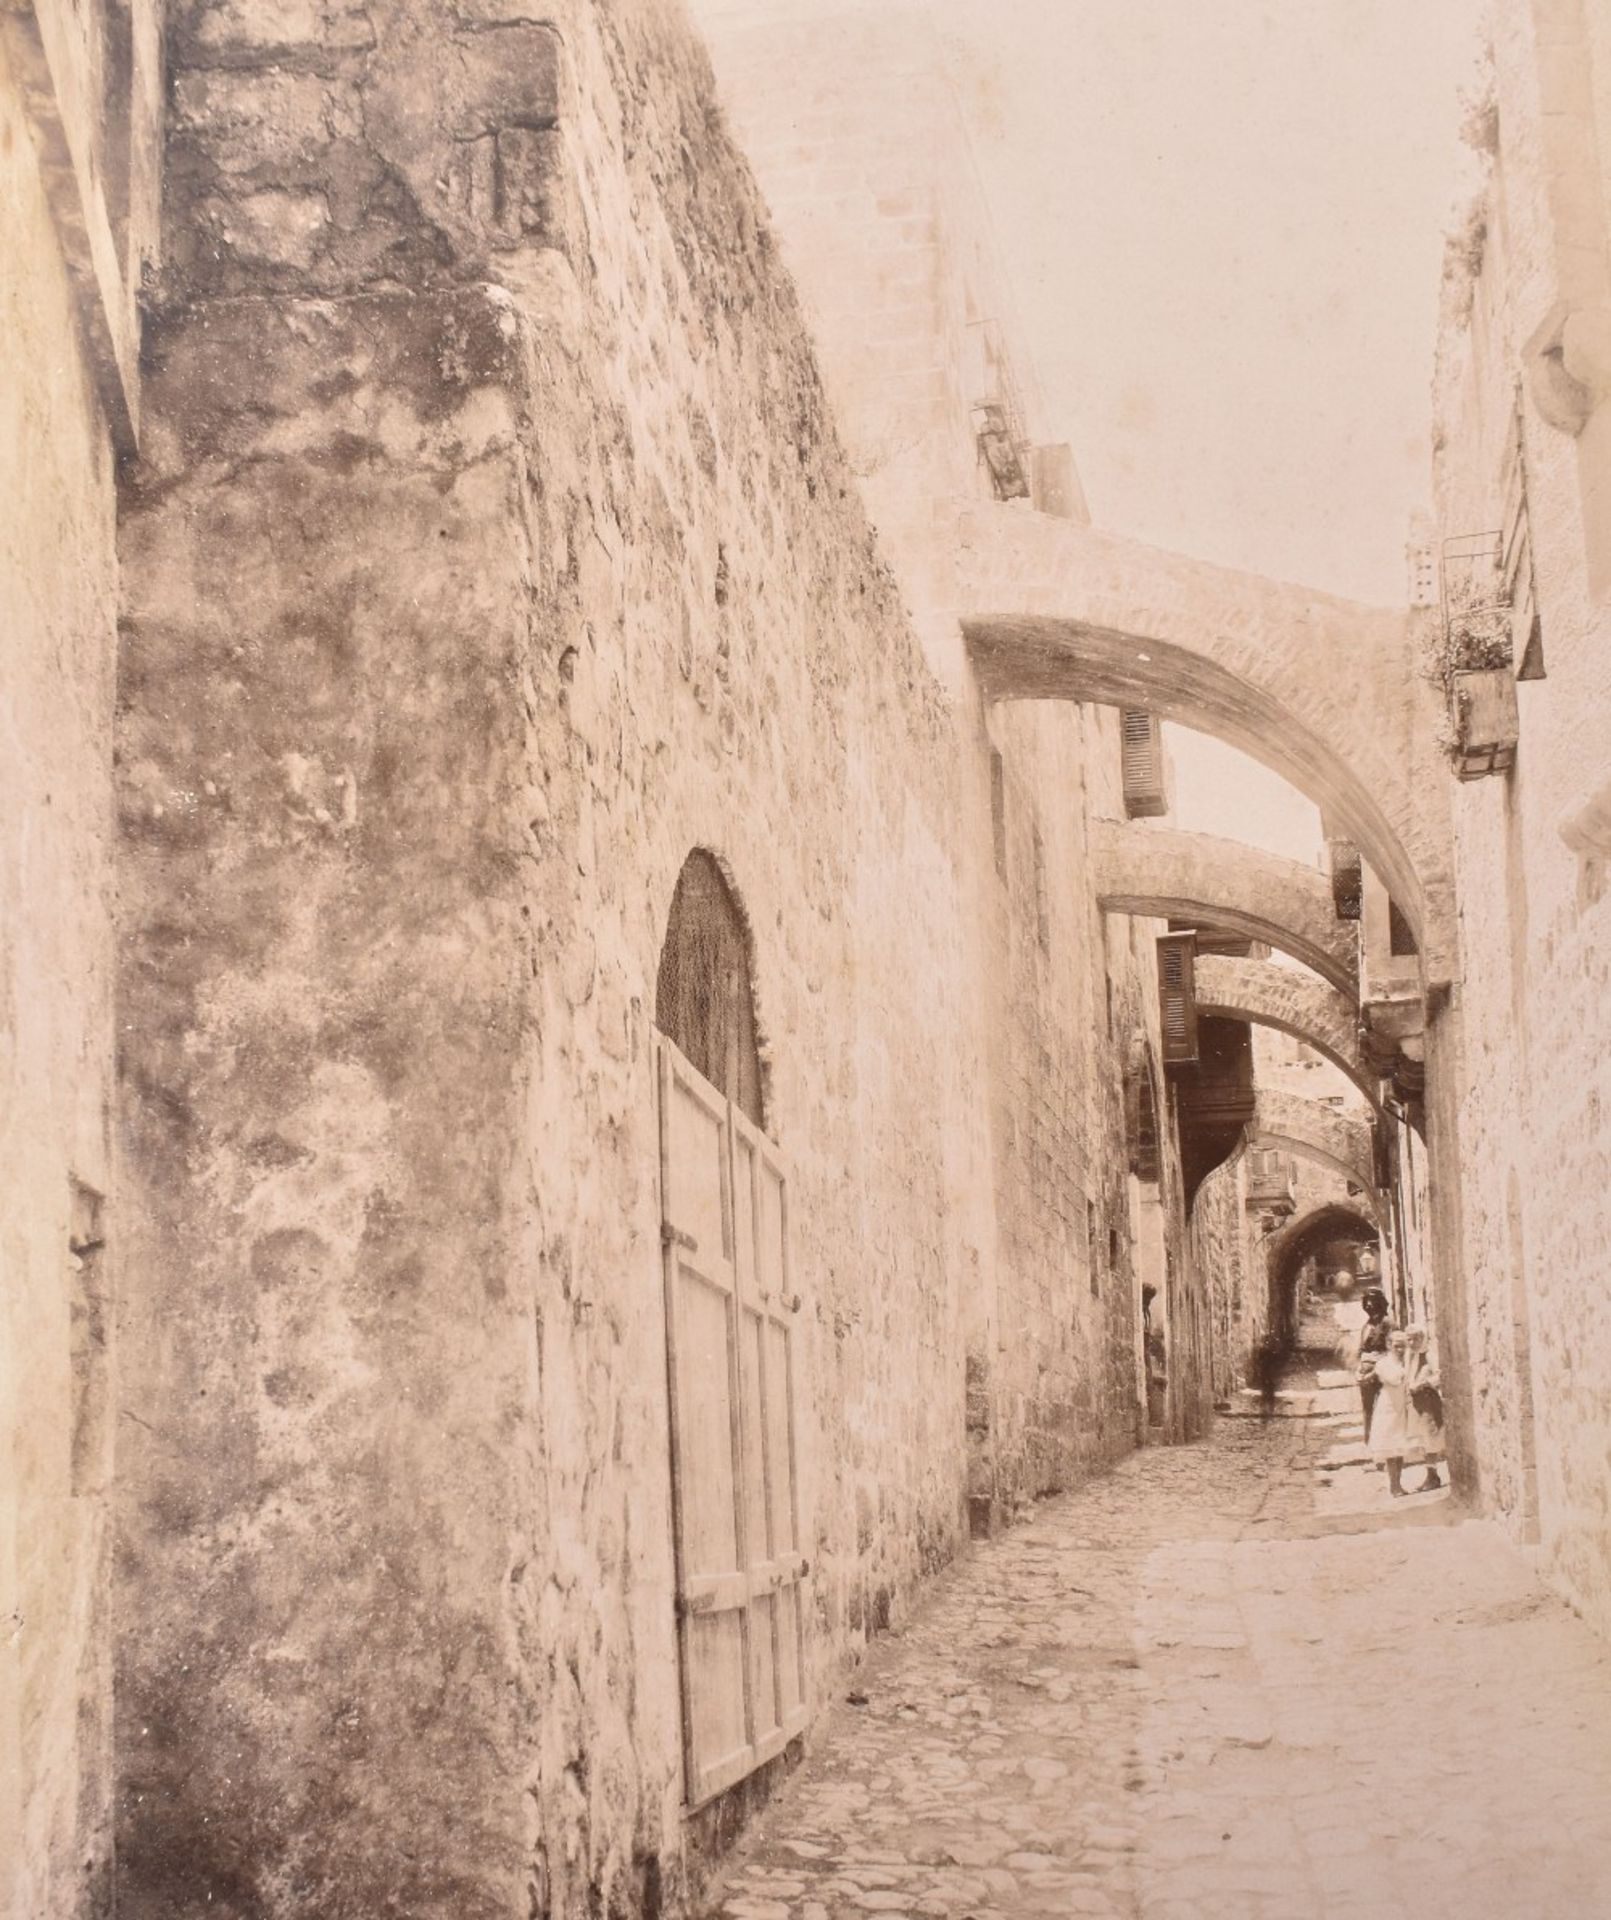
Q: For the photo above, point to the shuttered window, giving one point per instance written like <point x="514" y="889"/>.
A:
<point x="1177" y="996"/>
<point x="1347" y="877"/>
<point x="1142" y="735"/>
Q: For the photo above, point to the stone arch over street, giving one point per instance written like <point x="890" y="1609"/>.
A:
<point x="1290" y="1002"/>
<point x="1317" y="1132"/>
<point x="1166" y="874"/>
<point x="1319" y="688"/>
<point x="1299" y="1240"/>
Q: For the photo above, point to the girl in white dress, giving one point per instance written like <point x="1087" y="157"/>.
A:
<point x="1389" y="1426"/>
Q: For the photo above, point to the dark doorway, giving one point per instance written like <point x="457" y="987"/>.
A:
<point x="704" y="1003"/>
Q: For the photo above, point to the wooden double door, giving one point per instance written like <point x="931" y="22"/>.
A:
<point x="730" y="1337"/>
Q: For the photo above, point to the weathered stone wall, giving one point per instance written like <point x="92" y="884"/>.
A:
<point x="58" y="621"/>
<point x="848" y="117"/>
<point x="1065" y="998"/>
<point x="456" y="615"/>
<point x="862" y="155"/>
<point x="1534" y="1007"/>
<point x="1218" y="1253"/>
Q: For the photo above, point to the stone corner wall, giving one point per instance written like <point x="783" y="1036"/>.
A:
<point x="1529" y="1039"/>
<point x="61" y="1221"/>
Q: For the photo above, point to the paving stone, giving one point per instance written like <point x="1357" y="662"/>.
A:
<point x="1209" y="1732"/>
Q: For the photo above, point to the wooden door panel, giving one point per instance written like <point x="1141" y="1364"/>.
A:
<point x="734" y="1465"/>
<point x="695" y="1181"/>
<point x="706" y="1414"/>
<point x="780" y="1448"/>
<point x="752" y="1359"/>
<point x="772" y="1273"/>
<point x="764" y="1660"/>
<point x="791" y="1657"/>
<point x="715" y="1654"/>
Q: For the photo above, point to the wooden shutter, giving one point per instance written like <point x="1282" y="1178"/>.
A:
<point x="1347" y="878"/>
<point x="735" y="1472"/>
<point x="1177" y="997"/>
<point x="1142" y="735"/>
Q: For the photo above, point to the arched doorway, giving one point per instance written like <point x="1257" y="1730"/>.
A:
<point x="704" y="994"/>
<point x="729" y="1301"/>
<point x="1326" y="1232"/>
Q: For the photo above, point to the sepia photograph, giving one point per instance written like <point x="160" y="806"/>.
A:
<point x="805" y="959"/>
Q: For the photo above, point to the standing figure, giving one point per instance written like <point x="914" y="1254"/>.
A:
<point x="1264" y="1370"/>
<point x="1152" y="1344"/>
<point x="1390" y="1425"/>
<point x="1373" y="1341"/>
<point x="1424" y="1390"/>
<point x="1349" y="1316"/>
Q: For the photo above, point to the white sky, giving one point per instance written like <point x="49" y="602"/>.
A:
<point x="1223" y="222"/>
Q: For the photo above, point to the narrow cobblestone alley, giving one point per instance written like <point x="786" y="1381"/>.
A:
<point x="1183" y="1693"/>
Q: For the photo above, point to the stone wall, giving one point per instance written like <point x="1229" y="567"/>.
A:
<point x="1533" y="1009"/>
<point x="1218" y="1251"/>
<point x="1069" y="996"/>
<point x="58" y="619"/>
<point x="457" y="614"/>
<point x="848" y="117"/>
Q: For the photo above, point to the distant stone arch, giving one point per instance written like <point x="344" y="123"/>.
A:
<point x="1315" y="1131"/>
<point x="1300" y="1240"/>
<point x="1162" y="873"/>
<point x="705" y="992"/>
<point x="1289" y="1002"/>
<point x="1305" y="1236"/>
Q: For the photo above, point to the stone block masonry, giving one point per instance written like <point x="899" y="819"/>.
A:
<point x="491" y="549"/>
<point x="322" y="993"/>
<point x="1531" y="1076"/>
<point x="1165" y="1698"/>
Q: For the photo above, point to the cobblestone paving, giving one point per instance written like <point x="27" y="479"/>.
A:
<point x="1178" y="1695"/>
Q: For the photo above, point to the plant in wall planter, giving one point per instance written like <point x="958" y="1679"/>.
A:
<point x="1478" y="673"/>
<point x="1484" y="718"/>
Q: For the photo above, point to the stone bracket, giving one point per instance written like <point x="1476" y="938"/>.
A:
<point x="1568" y="363"/>
<point x="1392" y="1004"/>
